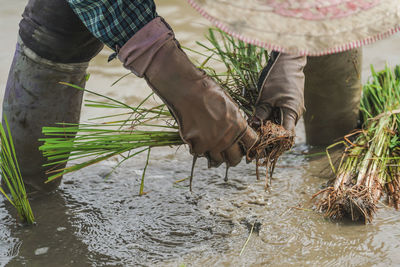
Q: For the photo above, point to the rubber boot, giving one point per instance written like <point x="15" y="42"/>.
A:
<point x="332" y="96"/>
<point x="34" y="98"/>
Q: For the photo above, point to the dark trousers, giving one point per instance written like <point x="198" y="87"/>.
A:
<point x="332" y="96"/>
<point x="53" y="31"/>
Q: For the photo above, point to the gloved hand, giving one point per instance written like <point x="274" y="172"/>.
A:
<point x="281" y="85"/>
<point x="209" y="120"/>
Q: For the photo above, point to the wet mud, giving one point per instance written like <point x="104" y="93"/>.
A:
<point x="95" y="220"/>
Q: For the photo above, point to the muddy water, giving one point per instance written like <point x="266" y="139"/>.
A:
<point x="91" y="221"/>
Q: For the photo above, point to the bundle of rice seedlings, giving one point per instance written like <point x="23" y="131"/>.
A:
<point x="140" y="128"/>
<point x="11" y="176"/>
<point x="134" y="130"/>
<point x="243" y="65"/>
<point x="369" y="166"/>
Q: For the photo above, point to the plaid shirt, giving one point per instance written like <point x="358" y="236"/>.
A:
<point x="114" y="22"/>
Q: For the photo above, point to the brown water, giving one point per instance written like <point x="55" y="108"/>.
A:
<point x="95" y="222"/>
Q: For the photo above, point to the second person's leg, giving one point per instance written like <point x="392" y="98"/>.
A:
<point x="332" y="96"/>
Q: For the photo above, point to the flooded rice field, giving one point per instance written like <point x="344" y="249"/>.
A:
<point x="97" y="221"/>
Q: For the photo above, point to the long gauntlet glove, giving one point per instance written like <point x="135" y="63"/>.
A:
<point x="209" y="121"/>
<point x="281" y="88"/>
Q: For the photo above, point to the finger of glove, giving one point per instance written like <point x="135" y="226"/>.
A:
<point x="254" y="122"/>
<point x="248" y="141"/>
<point x="263" y="112"/>
<point x="215" y="159"/>
<point x="233" y="155"/>
<point x="289" y="119"/>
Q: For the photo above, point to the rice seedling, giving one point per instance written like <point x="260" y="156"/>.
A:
<point x="274" y="141"/>
<point x="138" y="129"/>
<point x="11" y="176"/>
<point x="369" y="167"/>
<point x="94" y="142"/>
<point x="243" y="64"/>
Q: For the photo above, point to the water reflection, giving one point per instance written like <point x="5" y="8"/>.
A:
<point x="51" y="242"/>
<point x="9" y="245"/>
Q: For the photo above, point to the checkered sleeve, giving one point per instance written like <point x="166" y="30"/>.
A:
<point x="114" y="22"/>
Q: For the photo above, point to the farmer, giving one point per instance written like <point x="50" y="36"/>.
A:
<point x="58" y="38"/>
<point x="330" y="32"/>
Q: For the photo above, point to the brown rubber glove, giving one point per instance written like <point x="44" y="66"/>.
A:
<point x="281" y="87"/>
<point x="209" y="121"/>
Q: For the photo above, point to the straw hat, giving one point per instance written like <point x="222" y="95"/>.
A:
<point x="306" y="27"/>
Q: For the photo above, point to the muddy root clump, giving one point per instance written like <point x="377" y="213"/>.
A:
<point x="274" y="140"/>
<point x="356" y="203"/>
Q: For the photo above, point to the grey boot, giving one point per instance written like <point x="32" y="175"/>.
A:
<point x="33" y="99"/>
<point x="332" y="96"/>
<point x="54" y="46"/>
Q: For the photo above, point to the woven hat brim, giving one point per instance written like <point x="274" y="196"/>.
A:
<point x="247" y="22"/>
